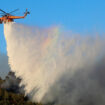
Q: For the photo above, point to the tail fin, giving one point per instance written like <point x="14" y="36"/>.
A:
<point x="27" y="12"/>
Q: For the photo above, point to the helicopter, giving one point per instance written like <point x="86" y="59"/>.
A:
<point x="8" y="17"/>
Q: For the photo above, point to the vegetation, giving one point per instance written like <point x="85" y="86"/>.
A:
<point x="12" y="98"/>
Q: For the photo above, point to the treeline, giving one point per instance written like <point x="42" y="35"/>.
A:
<point x="10" y="97"/>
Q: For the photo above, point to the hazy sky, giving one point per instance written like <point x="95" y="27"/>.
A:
<point x="80" y="16"/>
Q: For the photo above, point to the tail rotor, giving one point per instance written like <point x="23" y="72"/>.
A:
<point x="27" y="12"/>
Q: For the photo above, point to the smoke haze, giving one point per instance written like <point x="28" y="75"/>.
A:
<point x="4" y="67"/>
<point x="57" y="67"/>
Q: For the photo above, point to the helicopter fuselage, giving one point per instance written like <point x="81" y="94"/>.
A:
<point x="5" y="19"/>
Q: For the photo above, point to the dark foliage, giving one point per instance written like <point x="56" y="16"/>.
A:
<point x="10" y="95"/>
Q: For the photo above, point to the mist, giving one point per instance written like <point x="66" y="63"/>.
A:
<point x="57" y="66"/>
<point x="4" y="67"/>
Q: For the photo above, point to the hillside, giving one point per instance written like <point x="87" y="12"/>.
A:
<point x="9" y="93"/>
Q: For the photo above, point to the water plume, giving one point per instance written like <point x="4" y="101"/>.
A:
<point x="56" y="66"/>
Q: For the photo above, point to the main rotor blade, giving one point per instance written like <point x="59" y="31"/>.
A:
<point x="1" y="15"/>
<point x="14" y="11"/>
<point x="2" y="11"/>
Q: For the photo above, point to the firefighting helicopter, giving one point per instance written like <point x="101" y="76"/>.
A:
<point x="8" y="17"/>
